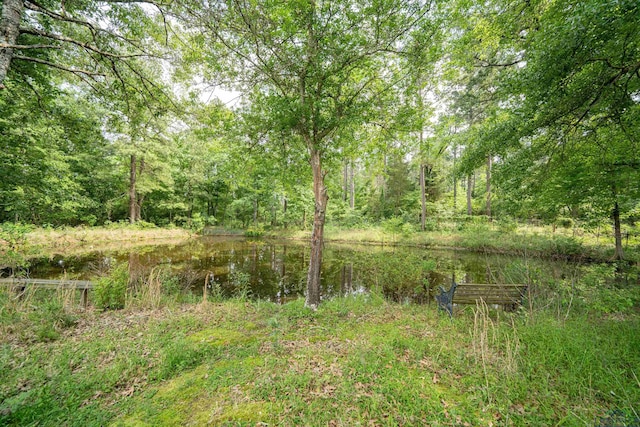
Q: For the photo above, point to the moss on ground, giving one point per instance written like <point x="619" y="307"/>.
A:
<point x="356" y="361"/>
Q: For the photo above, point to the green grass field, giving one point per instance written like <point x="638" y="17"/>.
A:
<point x="356" y="361"/>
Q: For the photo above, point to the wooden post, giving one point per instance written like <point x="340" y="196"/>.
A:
<point x="85" y="298"/>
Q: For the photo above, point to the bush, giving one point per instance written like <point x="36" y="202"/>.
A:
<point x="144" y="225"/>
<point x="472" y="223"/>
<point x="393" y="226"/>
<point x="601" y="292"/>
<point x="13" y="244"/>
<point x="564" y="222"/>
<point x="196" y="222"/>
<point x="242" y="283"/>
<point x="407" y="229"/>
<point x="430" y="225"/>
<point x="111" y="291"/>
<point x="257" y="231"/>
<point x="507" y="225"/>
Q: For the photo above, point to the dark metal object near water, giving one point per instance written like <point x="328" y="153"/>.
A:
<point x="445" y="299"/>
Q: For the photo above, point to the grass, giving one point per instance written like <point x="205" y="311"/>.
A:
<point x="78" y="240"/>
<point x="495" y="238"/>
<point x="483" y="237"/>
<point x="356" y="361"/>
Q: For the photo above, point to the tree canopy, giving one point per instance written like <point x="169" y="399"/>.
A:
<point x="353" y="111"/>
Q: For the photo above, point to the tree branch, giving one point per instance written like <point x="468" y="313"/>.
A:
<point x="485" y="63"/>
<point x="75" y="71"/>
<point x="28" y="46"/>
<point x="32" y="5"/>
<point x="87" y="46"/>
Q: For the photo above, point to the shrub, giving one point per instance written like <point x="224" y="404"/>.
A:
<point x="257" y="231"/>
<point x="196" y="222"/>
<point x="407" y="229"/>
<point x="242" y="282"/>
<point x="144" y="225"/>
<point x="13" y="243"/>
<point x="111" y="291"/>
<point x="430" y="225"/>
<point x="564" y="222"/>
<point x="507" y="225"/>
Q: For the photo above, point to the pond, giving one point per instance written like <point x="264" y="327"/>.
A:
<point x="276" y="270"/>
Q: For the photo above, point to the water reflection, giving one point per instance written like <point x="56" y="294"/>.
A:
<point x="277" y="270"/>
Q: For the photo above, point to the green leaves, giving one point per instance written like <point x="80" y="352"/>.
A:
<point x="559" y="115"/>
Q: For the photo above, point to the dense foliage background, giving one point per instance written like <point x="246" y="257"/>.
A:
<point x="524" y="110"/>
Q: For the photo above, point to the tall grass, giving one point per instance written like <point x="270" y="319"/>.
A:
<point x="481" y="236"/>
<point x="356" y="360"/>
<point x="572" y="357"/>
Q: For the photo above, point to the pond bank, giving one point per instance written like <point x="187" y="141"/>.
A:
<point x="487" y="240"/>
<point x="79" y="240"/>
<point x="356" y="361"/>
<point x="555" y="246"/>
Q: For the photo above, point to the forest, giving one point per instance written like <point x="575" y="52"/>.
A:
<point x="185" y="113"/>
<point x="304" y="117"/>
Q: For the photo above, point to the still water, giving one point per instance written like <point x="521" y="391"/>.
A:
<point x="276" y="270"/>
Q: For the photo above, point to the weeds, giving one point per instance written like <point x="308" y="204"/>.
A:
<point x="211" y="289"/>
<point x="36" y="315"/>
<point x="241" y="281"/>
<point x="356" y="360"/>
<point x="14" y="248"/>
<point x="110" y="292"/>
<point x="571" y="358"/>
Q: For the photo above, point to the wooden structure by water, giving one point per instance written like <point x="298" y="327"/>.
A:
<point x="505" y="294"/>
<point x="21" y="285"/>
<point x="509" y="296"/>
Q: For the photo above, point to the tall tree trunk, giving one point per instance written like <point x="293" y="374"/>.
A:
<point x="321" y="197"/>
<point x="190" y="200"/>
<point x="274" y="214"/>
<point x="352" y="190"/>
<point x="132" y="190"/>
<point x="345" y="180"/>
<point x="383" y="186"/>
<point x="284" y="211"/>
<point x="255" y="211"/>
<point x="423" y="184"/>
<point x="9" y="31"/>
<point x="617" y="231"/>
<point x="139" y="197"/>
<point x="139" y="207"/>
<point x="489" y="187"/>
<point x="423" y="198"/>
<point x="469" y="194"/>
<point x="455" y="179"/>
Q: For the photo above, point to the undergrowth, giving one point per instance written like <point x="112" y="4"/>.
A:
<point x="357" y="360"/>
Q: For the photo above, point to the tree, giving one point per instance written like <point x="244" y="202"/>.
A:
<point x="101" y="43"/>
<point x="56" y="163"/>
<point x="200" y="163"/>
<point x="111" y="48"/>
<point x="569" y="79"/>
<point x="317" y="67"/>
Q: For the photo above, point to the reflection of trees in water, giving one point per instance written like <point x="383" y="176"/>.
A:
<point x="278" y="270"/>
